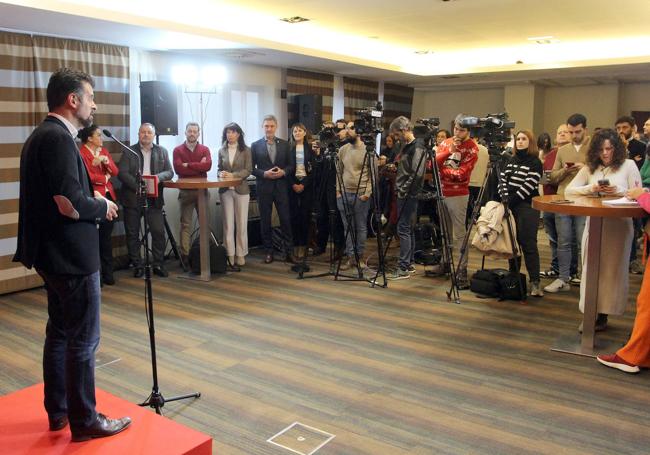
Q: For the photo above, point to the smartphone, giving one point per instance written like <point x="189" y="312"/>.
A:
<point x="562" y="201"/>
<point x="275" y="169"/>
<point x="603" y="182"/>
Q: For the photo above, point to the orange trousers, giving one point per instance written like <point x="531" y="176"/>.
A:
<point x="637" y="349"/>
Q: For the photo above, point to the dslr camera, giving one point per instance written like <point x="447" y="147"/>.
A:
<point x="427" y="129"/>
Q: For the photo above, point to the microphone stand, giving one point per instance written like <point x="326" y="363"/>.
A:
<point x="155" y="399"/>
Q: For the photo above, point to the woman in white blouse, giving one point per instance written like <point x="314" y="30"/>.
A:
<point x="235" y="162"/>
<point x="607" y="172"/>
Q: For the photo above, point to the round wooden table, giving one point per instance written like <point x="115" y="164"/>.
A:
<point x="202" y="185"/>
<point x="594" y="208"/>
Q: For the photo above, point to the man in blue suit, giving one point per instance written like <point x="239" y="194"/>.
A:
<point x="272" y="163"/>
<point x="57" y="235"/>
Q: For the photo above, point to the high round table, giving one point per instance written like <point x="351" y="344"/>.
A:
<point x="594" y="208"/>
<point x="202" y="185"/>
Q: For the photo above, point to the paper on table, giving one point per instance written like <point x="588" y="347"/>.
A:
<point x="621" y="201"/>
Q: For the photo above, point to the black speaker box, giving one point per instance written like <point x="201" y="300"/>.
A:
<point x="310" y="111"/>
<point x="158" y="105"/>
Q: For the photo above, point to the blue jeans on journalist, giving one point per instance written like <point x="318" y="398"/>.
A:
<point x="357" y="214"/>
<point x="71" y="339"/>
<point x="568" y="228"/>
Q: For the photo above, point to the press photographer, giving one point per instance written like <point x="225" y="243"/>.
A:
<point x="408" y="183"/>
<point x="456" y="158"/>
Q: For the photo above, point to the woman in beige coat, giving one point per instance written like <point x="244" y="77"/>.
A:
<point x="235" y="162"/>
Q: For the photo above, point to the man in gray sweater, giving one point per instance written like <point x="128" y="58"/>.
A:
<point x="353" y="191"/>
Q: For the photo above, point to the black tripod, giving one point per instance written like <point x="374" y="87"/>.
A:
<point x="172" y="243"/>
<point x="490" y="185"/>
<point x="369" y="162"/>
<point x="155" y="399"/>
<point x="320" y="191"/>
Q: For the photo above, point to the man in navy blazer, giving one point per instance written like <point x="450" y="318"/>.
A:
<point x="57" y="235"/>
<point x="272" y="163"/>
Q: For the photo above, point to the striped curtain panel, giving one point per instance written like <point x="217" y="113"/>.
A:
<point x="308" y="83"/>
<point x="358" y="94"/>
<point x="26" y="63"/>
<point x="398" y="100"/>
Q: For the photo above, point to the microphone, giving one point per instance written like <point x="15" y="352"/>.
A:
<point x="109" y="134"/>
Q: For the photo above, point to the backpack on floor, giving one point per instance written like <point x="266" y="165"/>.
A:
<point x="218" y="258"/>
<point x="499" y="283"/>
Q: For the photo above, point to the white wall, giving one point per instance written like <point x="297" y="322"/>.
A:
<point x="634" y="97"/>
<point x="599" y="103"/>
<point x="249" y="93"/>
<point x="448" y="104"/>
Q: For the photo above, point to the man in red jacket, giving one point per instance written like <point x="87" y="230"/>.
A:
<point x="191" y="159"/>
<point x="456" y="158"/>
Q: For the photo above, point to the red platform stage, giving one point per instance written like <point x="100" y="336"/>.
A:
<point x="24" y="430"/>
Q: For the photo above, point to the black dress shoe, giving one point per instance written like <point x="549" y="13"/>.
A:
<point x="108" y="279"/>
<point x="58" y="423"/>
<point x="138" y="272"/>
<point x="101" y="428"/>
<point x="268" y="259"/>
<point x="160" y="271"/>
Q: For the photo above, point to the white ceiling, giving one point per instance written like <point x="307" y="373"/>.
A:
<point x="601" y="41"/>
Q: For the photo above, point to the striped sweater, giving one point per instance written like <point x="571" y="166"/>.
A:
<point x="520" y="179"/>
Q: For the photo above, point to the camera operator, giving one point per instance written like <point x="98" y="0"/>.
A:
<point x="327" y="204"/>
<point x="456" y="158"/>
<point x="354" y="193"/>
<point x="408" y="183"/>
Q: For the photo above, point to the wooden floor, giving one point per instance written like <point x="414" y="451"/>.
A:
<point x="388" y="371"/>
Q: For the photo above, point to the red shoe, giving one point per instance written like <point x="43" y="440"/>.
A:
<point x="614" y="361"/>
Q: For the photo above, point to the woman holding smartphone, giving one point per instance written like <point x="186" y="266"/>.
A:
<point x="300" y="191"/>
<point x="607" y="172"/>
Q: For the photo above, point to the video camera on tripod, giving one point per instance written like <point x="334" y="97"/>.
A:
<point x="328" y="140"/>
<point x="427" y="129"/>
<point x="494" y="129"/>
<point x="368" y="123"/>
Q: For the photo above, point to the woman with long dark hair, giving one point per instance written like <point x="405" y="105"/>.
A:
<point x="100" y="167"/>
<point x="607" y="172"/>
<point x="300" y="190"/>
<point x="519" y="185"/>
<point x="235" y="161"/>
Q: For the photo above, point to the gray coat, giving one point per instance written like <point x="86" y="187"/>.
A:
<point x="242" y="166"/>
<point x="160" y="166"/>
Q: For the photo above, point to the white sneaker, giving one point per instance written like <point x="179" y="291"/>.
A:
<point x="557" y="286"/>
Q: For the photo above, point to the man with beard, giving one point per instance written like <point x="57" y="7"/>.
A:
<point x="570" y="159"/>
<point x="58" y="236"/>
<point x="151" y="159"/>
<point x="191" y="159"/>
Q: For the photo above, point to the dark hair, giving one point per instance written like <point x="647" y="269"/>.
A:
<point x="544" y="142"/>
<point x="241" y="144"/>
<point x="532" y="145"/>
<point x="626" y="119"/>
<point x="63" y="82"/>
<point x="577" y="119"/>
<point x="447" y="133"/>
<point x="596" y="144"/>
<point x="306" y="140"/>
<point x="85" y="133"/>
<point x="341" y="120"/>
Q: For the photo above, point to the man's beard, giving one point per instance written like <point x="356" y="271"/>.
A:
<point x="85" y="122"/>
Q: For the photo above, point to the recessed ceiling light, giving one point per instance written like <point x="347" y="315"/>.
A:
<point x="519" y="62"/>
<point x="549" y="39"/>
<point x="373" y="37"/>
<point x="294" y="19"/>
<point x="423" y="52"/>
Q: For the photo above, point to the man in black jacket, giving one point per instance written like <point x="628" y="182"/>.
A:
<point x="151" y="160"/>
<point x="272" y="163"/>
<point x="57" y="235"/>
<point x="408" y="183"/>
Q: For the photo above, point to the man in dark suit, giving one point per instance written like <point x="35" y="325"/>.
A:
<point x="57" y="235"/>
<point x="151" y="160"/>
<point x="272" y="163"/>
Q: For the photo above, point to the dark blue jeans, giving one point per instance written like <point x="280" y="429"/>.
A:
<point x="71" y="338"/>
<point x="406" y="210"/>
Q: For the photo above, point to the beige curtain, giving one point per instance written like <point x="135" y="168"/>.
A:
<point x="358" y="94"/>
<point x="308" y="83"/>
<point x="26" y="62"/>
<point x="398" y="100"/>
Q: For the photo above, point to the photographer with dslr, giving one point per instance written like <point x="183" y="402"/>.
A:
<point x="353" y="192"/>
<point x="408" y="183"/>
<point x="456" y="158"/>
